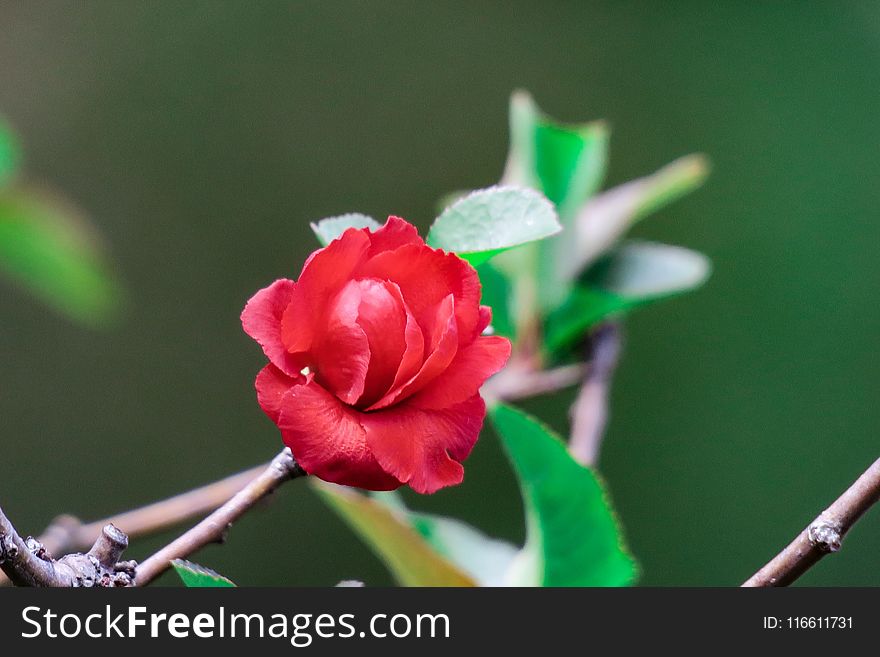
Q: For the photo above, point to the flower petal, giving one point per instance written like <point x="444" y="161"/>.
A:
<point x="327" y="439"/>
<point x="426" y="277"/>
<point x="323" y="275"/>
<point x="395" y="233"/>
<point x="261" y="319"/>
<point x="466" y="373"/>
<point x="441" y="351"/>
<point x="382" y="316"/>
<point x="485" y="318"/>
<point x="424" y="448"/>
<point x="272" y="384"/>
<point x="341" y="353"/>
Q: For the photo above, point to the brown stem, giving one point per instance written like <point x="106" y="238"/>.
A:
<point x="823" y="535"/>
<point x="68" y="534"/>
<point x="27" y="563"/>
<point x="213" y="528"/>
<point x="589" y="413"/>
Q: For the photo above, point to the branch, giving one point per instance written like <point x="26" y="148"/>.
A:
<point x="823" y="535"/>
<point x="27" y="563"/>
<point x="213" y="528"/>
<point x="589" y="413"/>
<point x="68" y="534"/>
<point x="518" y="382"/>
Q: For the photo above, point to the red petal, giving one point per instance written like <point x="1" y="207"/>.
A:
<point x="426" y="277"/>
<point x="395" y="233"/>
<point x="382" y="316"/>
<point x="441" y="351"/>
<point x="424" y="448"/>
<point x="272" y="384"/>
<point x="468" y="371"/>
<point x="485" y="318"/>
<point x="261" y="319"/>
<point x="323" y="275"/>
<point x="342" y="352"/>
<point x="328" y="441"/>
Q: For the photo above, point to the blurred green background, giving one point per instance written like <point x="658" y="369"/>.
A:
<point x="203" y="137"/>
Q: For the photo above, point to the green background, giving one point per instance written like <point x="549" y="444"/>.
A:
<point x="202" y="138"/>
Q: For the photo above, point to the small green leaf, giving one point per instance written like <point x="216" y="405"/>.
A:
<point x="330" y="228"/>
<point x="49" y="247"/>
<point x="496" y="295"/>
<point x="196" y="576"/>
<point x="9" y="153"/>
<point x="633" y="275"/>
<point x="489" y="221"/>
<point x="572" y="536"/>
<point x="607" y="217"/>
<point x="387" y="532"/>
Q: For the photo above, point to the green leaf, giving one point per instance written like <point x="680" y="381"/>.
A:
<point x="487" y="560"/>
<point x="572" y="536"/>
<point x="330" y="228"/>
<point x="9" y="153"/>
<point x="489" y="221"/>
<point x="196" y="576"/>
<point x="388" y="533"/>
<point x="49" y="247"/>
<point x="633" y="275"/>
<point x="607" y="217"/>
<point x="496" y="295"/>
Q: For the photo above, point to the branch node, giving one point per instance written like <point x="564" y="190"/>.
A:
<point x="825" y="536"/>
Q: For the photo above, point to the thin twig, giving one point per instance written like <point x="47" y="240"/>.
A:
<point x="589" y="413"/>
<point x="516" y="382"/>
<point x="213" y="528"/>
<point x="68" y="534"/>
<point x="823" y="535"/>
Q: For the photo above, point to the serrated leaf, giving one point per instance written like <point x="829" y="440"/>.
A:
<point x="196" y="576"/>
<point x="635" y="274"/>
<point x="489" y="221"/>
<point x="327" y="230"/>
<point x="49" y="248"/>
<point x="387" y="532"/>
<point x="572" y="536"/>
<point x="607" y="217"/>
<point x="9" y="153"/>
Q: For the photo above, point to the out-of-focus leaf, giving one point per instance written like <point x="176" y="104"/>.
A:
<point x="196" y="576"/>
<point x="9" y="153"/>
<point x="634" y="274"/>
<point x="496" y="295"/>
<point x="330" y="228"/>
<point x="567" y="163"/>
<point x="572" y="536"/>
<point x="50" y="248"/>
<point x="387" y="531"/>
<point x="487" y="560"/>
<point x="607" y="217"/>
<point x="489" y="221"/>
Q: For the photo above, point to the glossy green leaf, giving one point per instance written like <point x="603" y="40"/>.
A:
<point x="9" y="153"/>
<point x="388" y="533"/>
<point x="196" y="576"/>
<point x="572" y="535"/>
<point x="49" y="248"/>
<point x="496" y="295"/>
<point x="607" y="217"/>
<point x="633" y="275"/>
<point x="330" y="228"/>
<point x="489" y="221"/>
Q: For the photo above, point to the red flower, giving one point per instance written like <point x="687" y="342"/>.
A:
<point x="376" y="360"/>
